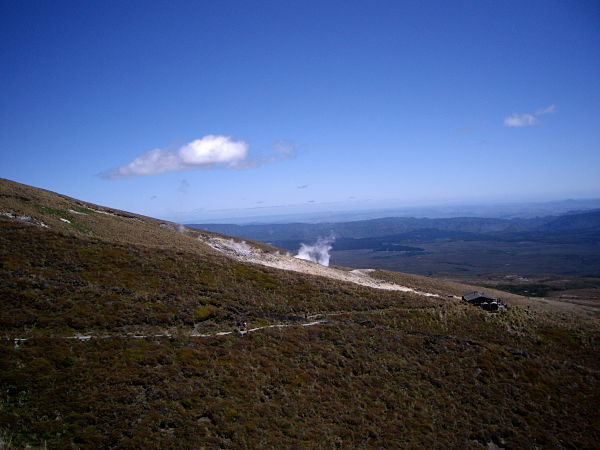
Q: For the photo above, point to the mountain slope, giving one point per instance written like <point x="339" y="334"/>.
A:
<point x="585" y="221"/>
<point x="120" y="331"/>
<point x="374" y="228"/>
<point x="565" y="245"/>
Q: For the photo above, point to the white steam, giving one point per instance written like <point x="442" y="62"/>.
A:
<point x="240" y="248"/>
<point x="318" y="253"/>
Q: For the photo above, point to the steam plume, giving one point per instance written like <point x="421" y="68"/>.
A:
<point x="240" y="247"/>
<point x="318" y="253"/>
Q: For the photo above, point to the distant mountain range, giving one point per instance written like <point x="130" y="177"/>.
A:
<point x="565" y="244"/>
<point x="356" y="211"/>
<point x="454" y="228"/>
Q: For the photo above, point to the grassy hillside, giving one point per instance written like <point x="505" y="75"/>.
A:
<point x="382" y="369"/>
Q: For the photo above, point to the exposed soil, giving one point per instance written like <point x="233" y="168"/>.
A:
<point x="241" y="251"/>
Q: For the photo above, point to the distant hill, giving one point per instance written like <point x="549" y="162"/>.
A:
<point x="585" y="221"/>
<point x="123" y="331"/>
<point x="374" y="227"/>
<point x="335" y="214"/>
<point x="581" y="221"/>
<point x="567" y="244"/>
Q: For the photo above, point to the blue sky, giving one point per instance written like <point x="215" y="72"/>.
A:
<point x="271" y="106"/>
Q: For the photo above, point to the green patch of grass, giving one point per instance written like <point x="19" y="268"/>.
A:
<point x="65" y="215"/>
<point x="84" y="210"/>
<point x="557" y="335"/>
<point x="207" y="278"/>
<point x="205" y="312"/>
<point x="262" y="279"/>
<point x="80" y="227"/>
<point x="528" y="290"/>
<point x="53" y="211"/>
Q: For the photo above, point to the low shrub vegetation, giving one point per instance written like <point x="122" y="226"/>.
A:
<point x="385" y="369"/>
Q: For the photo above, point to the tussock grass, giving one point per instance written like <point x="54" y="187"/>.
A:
<point x="389" y="370"/>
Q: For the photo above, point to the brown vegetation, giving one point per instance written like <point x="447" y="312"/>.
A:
<point x="389" y="370"/>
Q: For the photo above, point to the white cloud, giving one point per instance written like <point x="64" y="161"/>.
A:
<point x="527" y="120"/>
<point x="547" y="110"/>
<point x="202" y="153"/>
<point x="213" y="149"/>
<point x="521" y="120"/>
<point x="282" y="151"/>
<point x="285" y="148"/>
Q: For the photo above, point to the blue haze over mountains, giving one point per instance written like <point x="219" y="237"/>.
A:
<point x="585" y="221"/>
<point x="343" y="212"/>
<point x="553" y="244"/>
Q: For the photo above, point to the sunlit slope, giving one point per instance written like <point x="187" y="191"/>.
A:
<point x="72" y="267"/>
<point x="58" y="213"/>
<point x="67" y="215"/>
<point x="445" y="288"/>
<point x="119" y="331"/>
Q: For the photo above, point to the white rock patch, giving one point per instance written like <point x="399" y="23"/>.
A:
<point x="24" y="219"/>
<point x="241" y="251"/>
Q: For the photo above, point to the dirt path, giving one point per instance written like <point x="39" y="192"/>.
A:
<point x="83" y="338"/>
<point x="315" y="319"/>
<point x="515" y="352"/>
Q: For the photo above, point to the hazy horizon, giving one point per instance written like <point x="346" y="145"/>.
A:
<point x="301" y="107"/>
<point x="342" y="213"/>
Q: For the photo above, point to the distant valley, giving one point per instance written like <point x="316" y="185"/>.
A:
<point x="568" y="244"/>
<point x="486" y="251"/>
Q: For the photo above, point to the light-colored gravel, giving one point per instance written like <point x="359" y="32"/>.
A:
<point x="241" y="251"/>
<point x="20" y="341"/>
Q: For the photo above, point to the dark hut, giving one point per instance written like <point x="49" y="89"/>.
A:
<point x="482" y="300"/>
